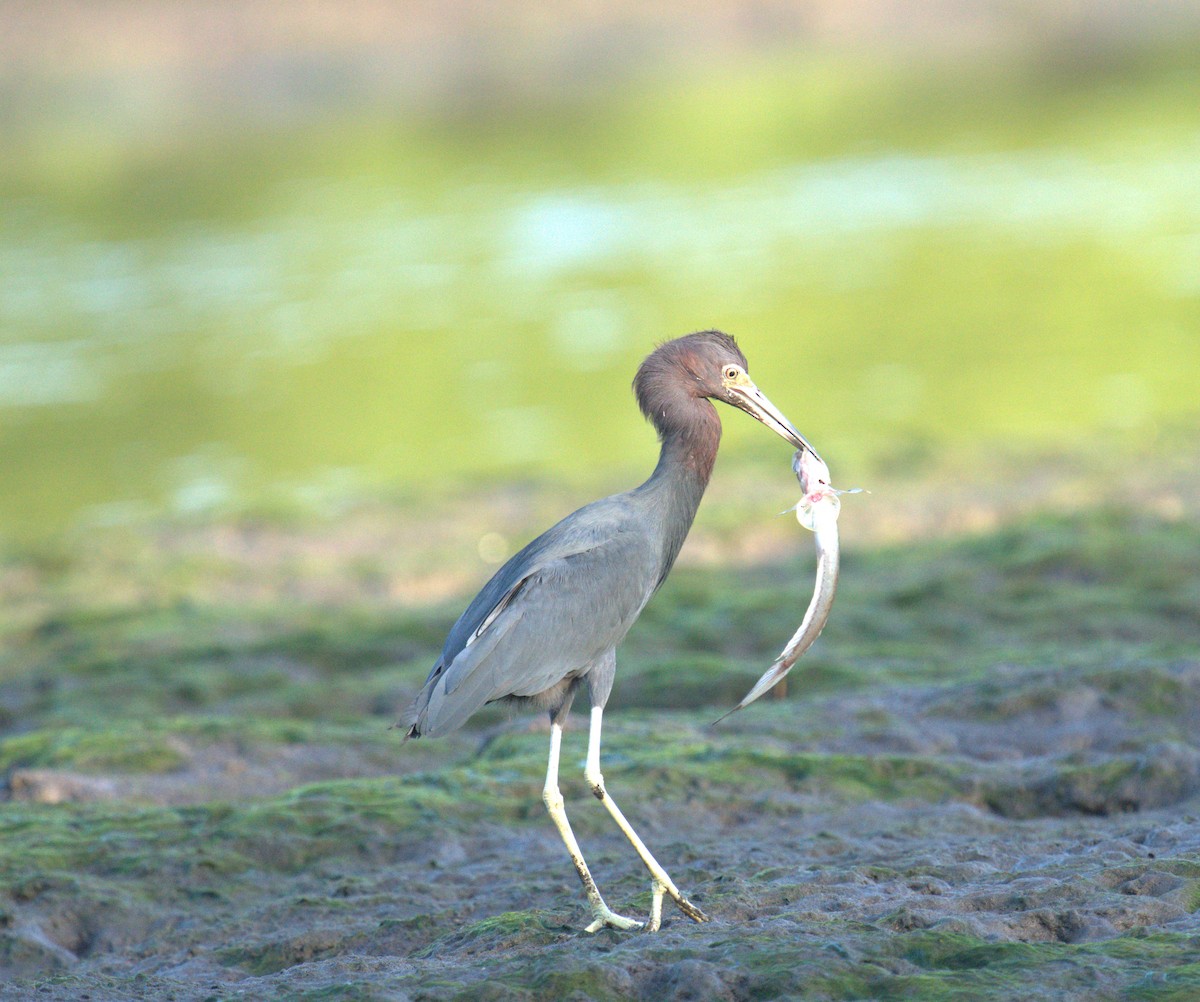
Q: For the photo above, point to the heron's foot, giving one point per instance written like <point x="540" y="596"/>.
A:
<point x="605" y="916"/>
<point x="690" y="910"/>
<point x="658" y="890"/>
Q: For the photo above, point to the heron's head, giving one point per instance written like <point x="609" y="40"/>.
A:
<point x="709" y="364"/>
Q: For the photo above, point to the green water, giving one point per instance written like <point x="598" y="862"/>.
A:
<point x="209" y="314"/>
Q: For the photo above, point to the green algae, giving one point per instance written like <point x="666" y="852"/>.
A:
<point x="595" y="982"/>
<point x="157" y="746"/>
<point x="1178" y="984"/>
<point x="128" y="749"/>
<point x="195" y="845"/>
<point x="955" y="951"/>
<point x="961" y="967"/>
<point x="737" y="771"/>
<point x="677" y="681"/>
<point x="362" y="991"/>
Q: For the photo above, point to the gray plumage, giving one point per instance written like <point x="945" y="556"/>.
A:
<point x="548" y="617"/>
<point x="543" y="623"/>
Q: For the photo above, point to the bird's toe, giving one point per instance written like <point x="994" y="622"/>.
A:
<point x="612" y="920"/>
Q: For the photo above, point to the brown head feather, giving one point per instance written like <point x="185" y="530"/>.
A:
<point x="683" y="370"/>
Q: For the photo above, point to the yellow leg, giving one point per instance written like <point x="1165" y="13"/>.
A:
<point x="553" y="799"/>
<point x="661" y="883"/>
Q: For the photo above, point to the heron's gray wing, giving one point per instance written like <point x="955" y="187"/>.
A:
<point x="554" y="622"/>
<point x="579" y="532"/>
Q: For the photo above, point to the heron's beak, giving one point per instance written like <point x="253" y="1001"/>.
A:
<point x="753" y="401"/>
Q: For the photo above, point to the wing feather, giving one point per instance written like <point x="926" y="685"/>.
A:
<point x="550" y="612"/>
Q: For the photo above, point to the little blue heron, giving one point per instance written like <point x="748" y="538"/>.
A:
<point x="550" y="619"/>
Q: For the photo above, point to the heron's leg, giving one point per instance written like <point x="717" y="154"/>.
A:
<point x="662" y="883"/>
<point x="553" y="799"/>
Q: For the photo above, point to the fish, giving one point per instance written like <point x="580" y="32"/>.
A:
<point x="818" y="512"/>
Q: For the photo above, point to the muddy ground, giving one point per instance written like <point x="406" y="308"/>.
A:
<point x="985" y="782"/>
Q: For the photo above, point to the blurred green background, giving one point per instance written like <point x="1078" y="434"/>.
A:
<point x="277" y="254"/>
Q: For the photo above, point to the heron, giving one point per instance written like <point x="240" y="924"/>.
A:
<point x="550" y="618"/>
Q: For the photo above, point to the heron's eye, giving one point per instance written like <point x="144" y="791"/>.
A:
<point x="731" y="372"/>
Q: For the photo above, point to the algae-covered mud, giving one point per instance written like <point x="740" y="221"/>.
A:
<point x="986" y="782"/>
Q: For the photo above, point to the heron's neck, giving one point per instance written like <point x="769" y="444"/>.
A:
<point x="685" y="464"/>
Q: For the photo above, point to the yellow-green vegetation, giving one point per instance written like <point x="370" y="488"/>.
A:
<point x="955" y="255"/>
